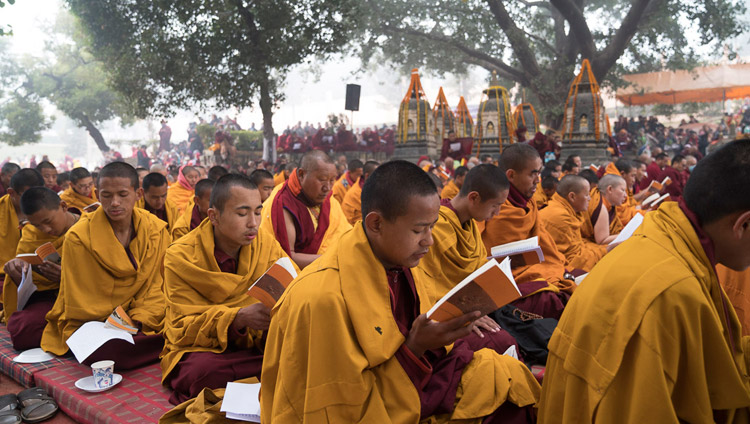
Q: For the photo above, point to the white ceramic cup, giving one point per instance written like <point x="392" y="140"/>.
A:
<point x="103" y="373"/>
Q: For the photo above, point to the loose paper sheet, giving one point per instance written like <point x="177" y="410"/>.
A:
<point x="242" y="402"/>
<point x="91" y="336"/>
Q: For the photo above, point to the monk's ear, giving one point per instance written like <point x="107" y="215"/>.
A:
<point x="213" y="215"/>
<point x="63" y="205"/>
<point x="373" y="222"/>
<point x="510" y="173"/>
<point x="741" y="227"/>
<point x="474" y="197"/>
<point x="139" y="193"/>
<point x="300" y="173"/>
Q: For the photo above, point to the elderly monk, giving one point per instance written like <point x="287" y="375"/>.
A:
<point x="347" y="180"/>
<point x="81" y="192"/>
<point x="183" y="190"/>
<point x="6" y="173"/>
<point x="650" y="336"/>
<point x="602" y="224"/>
<point x="454" y="185"/>
<point x="49" y="219"/>
<point x="352" y="205"/>
<point x="49" y="173"/>
<point x="11" y="215"/>
<point x="197" y="210"/>
<point x="213" y="329"/>
<point x="302" y="214"/>
<point x="264" y="181"/>
<point x="153" y="198"/>
<point x="544" y="286"/>
<point x="366" y="297"/>
<point x="563" y="217"/>
<point x="113" y="257"/>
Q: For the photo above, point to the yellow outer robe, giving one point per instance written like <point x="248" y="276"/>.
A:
<point x="540" y="197"/>
<point x="450" y="190"/>
<point x="97" y="276"/>
<point x="457" y="251"/>
<point x="31" y="238"/>
<point x="352" y="204"/>
<point x="9" y="233"/>
<point x="279" y="179"/>
<point x="340" y="187"/>
<point x="564" y="225"/>
<point x="646" y="337"/>
<point x="179" y="196"/>
<point x="326" y="361"/>
<point x="172" y="213"/>
<point x="75" y="200"/>
<point x="202" y="301"/>
<point x="182" y="224"/>
<point x="587" y="228"/>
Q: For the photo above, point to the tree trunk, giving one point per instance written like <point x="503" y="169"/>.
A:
<point x="95" y="134"/>
<point x="266" y="107"/>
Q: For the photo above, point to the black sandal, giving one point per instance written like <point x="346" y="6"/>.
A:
<point x="37" y="405"/>
<point x="9" y="409"/>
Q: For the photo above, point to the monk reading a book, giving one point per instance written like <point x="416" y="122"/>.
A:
<point x="264" y="181"/>
<point x="11" y="216"/>
<point x="544" y="286"/>
<point x="352" y="205"/>
<point x="602" y="224"/>
<point x="153" y="195"/>
<point x="113" y="257"/>
<point x="347" y="180"/>
<point x="650" y="336"/>
<point x="302" y="214"/>
<point x="349" y="340"/>
<point x="563" y="217"/>
<point x="214" y="331"/>
<point x="454" y="185"/>
<point x="183" y="189"/>
<point x="49" y="220"/>
<point x="196" y="211"/>
<point x="81" y="192"/>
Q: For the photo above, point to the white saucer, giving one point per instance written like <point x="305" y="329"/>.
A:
<point x="33" y="356"/>
<point x="87" y="384"/>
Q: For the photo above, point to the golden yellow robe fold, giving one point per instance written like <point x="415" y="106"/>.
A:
<point x="278" y="179"/>
<point x="75" y="200"/>
<point x="450" y="190"/>
<point x="97" y="276"/>
<point x="9" y="233"/>
<point x="330" y="352"/>
<point x="180" y="196"/>
<point x="646" y="337"/>
<point x="204" y="408"/>
<point x="540" y="197"/>
<point x="172" y="213"/>
<point x="564" y="225"/>
<point x="340" y="187"/>
<point x="737" y="286"/>
<point x="352" y="204"/>
<point x="182" y="224"/>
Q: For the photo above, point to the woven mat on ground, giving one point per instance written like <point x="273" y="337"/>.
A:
<point x="139" y="398"/>
<point x="22" y="373"/>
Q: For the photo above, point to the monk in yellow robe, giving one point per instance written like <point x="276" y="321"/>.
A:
<point x="183" y="190"/>
<point x="285" y="171"/>
<point x="302" y="213"/>
<point x="153" y="198"/>
<point x="451" y="189"/>
<point x="650" y="336"/>
<point x="113" y="257"/>
<point x="81" y="192"/>
<point x="563" y="218"/>
<point x="49" y="173"/>
<point x="352" y="205"/>
<point x="11" y="216"/>
<point x="366" y="297"/>
<point x="213" y="329"/>
<point x="347" y="179"/>
<point x="196" y="211"/>
<point x="545" y="286"/>
<point x="264" y="181"/>
<point x="627" y="171"/>
<point x="736" y="284"/>
<point x="544" y="191"/>
<point x="602" y="224"/>
<point x="49" y="220"/>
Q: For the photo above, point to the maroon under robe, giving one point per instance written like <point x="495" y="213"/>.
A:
<point x="26" y="326"/>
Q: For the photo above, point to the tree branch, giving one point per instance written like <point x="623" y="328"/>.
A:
<point x="491" y="67"/>
<point x="578" y="26"/>
<point x="543" y="42"/>
<point x="516" y="37"/>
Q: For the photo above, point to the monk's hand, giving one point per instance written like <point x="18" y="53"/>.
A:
<point x="51" y="271"/>
<point x="15" y="269"/>
<point x="487" y="324"/>
<point x="256" y="316"/>
<point x="426" y="334"/>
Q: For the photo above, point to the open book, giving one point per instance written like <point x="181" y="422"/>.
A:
<point x="485" y="290"/>
<point x="654" y="199"/>
<point x="658" y="186"/>
<point x="629" y="229"/>
<point x="25" y="289"/>
<point x="522" y="252"/>
<point x="45" y="252"/>
<point x="92" y="207"/>
<point x="271" y="285"/>
<point x="594" y="167"/>
<point x="119" y="320"/>
<point x="242" y="402"/>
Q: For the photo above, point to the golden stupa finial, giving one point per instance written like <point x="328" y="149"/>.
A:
<point x="493" y="80"/>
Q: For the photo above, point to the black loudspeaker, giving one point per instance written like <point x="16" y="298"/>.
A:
<point x="352" y="97"/>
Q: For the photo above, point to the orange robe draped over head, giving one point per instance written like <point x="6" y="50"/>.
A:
<point x="74" y="200"/>
<point x="9" y="232"/>
<point x="450" y="190"/>
<point x="98" y="276"/>
<point x="352" y="205"/>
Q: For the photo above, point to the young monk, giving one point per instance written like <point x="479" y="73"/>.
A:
<point x="142" y="172"/>
<point x="216" y="172"/>
<point x="649" y="335"/>
<point x="454" y="185"/>
<point x="197" y="210"/>
<point x="347" y="180"/>
<point x="6" y="173"/>
<point x="153" y="198"/>
<point x="49" y="173"/>
<point x="49" y="219"/>
<point x="81" y="192"/>
<point x="179" y="194"/>
<point x="264" y="181"/>
<point x="302" y="213"/>
<point x="113" y="257"/>
<point x="563" y="217"/>
<point x="285" y="170"/>
<point x="625" y="169"/>
<point x="545" y="189"/>
<point x="544" y="285"/>
<point x="352" y="205"/>
<point x="213" y="329"/>
<point x="11" y="215"/>
<point x="368" y="299"/>
<point x="602" y="224"/>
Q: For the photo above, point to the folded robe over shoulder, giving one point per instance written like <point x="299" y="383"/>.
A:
<point x="737" y="286"/>
<point x="183" y="224"/>
<point x="97" y="276"/>
<point x="74" y="200"/>
<point x="180" y="196"/>
<point x="9" y="233"/>
<point x="202" y="301"/>
<point x="352" y="204"/>
<point x="449" y="191"/>
<point x="344" y="300"/>
<point x="169" y="212"/>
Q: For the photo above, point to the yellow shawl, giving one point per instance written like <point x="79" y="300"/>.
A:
<point x="75" y="200"/>
<point x="9" y="233"/>
<point x="172" y="213"/>
<point x="179" y="196"/>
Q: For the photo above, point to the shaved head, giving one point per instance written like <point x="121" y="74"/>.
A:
<point x="518" y="157"/>
<point x="487" y="180"/>
<point x="390" y="188"/>
<point x="222" y="190"/>
<point x="571" y="184"/>
<point x="119" y="170"/>
<point x="311" y="160"/>
<point x="610" y="180"/>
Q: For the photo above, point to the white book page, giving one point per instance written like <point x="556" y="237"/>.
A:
<point x="467" y="280"/>
<point x="91" y="336"/>
<point x="242" y="402"/>
<point x="25" y="289"/>
<point x="515" y="247"/>
<point x="629" y="229"/>
<point x="287" y="264"/>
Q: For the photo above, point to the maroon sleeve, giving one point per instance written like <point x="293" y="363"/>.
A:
<point x="418" y="369"/>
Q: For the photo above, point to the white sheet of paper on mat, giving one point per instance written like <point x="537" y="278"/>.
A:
<point x="91" y="336"/>
<point x="242" y="402"/>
